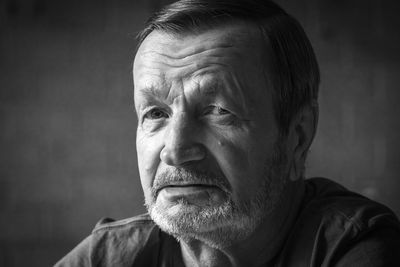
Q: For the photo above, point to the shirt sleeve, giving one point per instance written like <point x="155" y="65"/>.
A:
<point x="378" y="248"/>
<point x="122" y="243"/>
<point x="79" y="256"/>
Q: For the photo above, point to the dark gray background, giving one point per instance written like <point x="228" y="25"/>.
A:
<point x="67" y="126"/>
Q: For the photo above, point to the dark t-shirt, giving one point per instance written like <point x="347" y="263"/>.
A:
<point x="335" y="227"/>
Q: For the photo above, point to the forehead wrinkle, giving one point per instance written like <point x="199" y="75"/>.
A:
<point x="193" y="89"/>
<point x="163" y="72"/>
<point x="212" y="68"/>
<point x="156" y="67"/>
<point x="159" y="59"/>
<point x="190" y="58"/>
<point x="182" y="46"/>
<point x="183" y="54"/>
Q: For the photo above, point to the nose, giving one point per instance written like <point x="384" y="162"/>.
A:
<point x="181" y="145"/>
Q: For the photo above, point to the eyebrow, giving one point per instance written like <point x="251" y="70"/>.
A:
<point x="151" y="92"/>
<point x="211" y="87"/>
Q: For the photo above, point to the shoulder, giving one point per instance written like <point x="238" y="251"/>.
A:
<point x="139" y="224"/>
<point x="115" y="243"/>
<point x="334" y="224"/>
<point x="327" y="201"/>
<point x="122" y="241"/>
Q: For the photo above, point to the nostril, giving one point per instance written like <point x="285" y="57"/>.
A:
<point x="179" y="156"/>
<point x="170" y="156"/>
<point x="166" y="156"/>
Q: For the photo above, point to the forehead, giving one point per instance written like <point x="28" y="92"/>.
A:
<point x="238" y="35"/>
<point x="231" y="53"/>
<point x="228" y="42"/>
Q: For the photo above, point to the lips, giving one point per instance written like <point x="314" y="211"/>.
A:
<point x="196" y="194"/>
<point x="188" y="185"/>
<point x="182" y="180"/>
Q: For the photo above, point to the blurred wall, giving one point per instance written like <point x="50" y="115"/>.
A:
<point x="67" y="124"/>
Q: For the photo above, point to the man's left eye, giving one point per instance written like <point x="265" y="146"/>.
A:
<point x="215" y="110"/>
<point x="220" y="116"/>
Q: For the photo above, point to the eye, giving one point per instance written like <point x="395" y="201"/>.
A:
<point x="155" y="114"/>
<point x="215" y="110"/>
<point x="219" y="116"/>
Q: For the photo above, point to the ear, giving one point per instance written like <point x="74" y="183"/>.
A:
<point x="301" y="134"/>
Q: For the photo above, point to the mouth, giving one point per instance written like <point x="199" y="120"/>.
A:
<point x="188" y="186"/>
<point x="199" y="194"/>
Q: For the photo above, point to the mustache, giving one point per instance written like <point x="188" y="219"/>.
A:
<point x="184" y="176"/>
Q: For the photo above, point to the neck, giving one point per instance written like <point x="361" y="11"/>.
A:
<point x="260" y="247"/>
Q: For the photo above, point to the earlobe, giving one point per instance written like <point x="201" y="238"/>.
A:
<point x="303" y="130"/>
<point x="297" y="171"/>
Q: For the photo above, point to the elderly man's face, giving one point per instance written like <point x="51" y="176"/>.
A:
<point x="207" y="141"/>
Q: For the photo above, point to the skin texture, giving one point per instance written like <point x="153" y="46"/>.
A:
<point x="205" y="115"/>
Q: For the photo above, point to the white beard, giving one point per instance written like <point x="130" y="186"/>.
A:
<point x="221" y="225"/>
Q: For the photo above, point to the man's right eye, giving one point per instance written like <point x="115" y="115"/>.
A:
<point x="155" y="114"/>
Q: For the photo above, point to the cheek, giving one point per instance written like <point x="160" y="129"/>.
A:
<point x="148" y="154"/>
<point x="233" y="158"/>
<point x="242" y="160"/>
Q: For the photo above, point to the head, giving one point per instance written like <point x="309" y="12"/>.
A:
<point x="225" y="93"/>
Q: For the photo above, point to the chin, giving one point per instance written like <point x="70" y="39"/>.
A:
<point x="218" y="226"/>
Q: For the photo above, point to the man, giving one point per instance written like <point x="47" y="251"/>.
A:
<point x="226" y="97"/>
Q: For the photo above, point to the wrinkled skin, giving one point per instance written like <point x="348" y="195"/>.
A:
<point x="209" y="93"/>
<point x="204" y="105"/>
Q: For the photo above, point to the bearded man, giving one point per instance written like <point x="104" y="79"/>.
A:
<point x="226" y="98"/>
